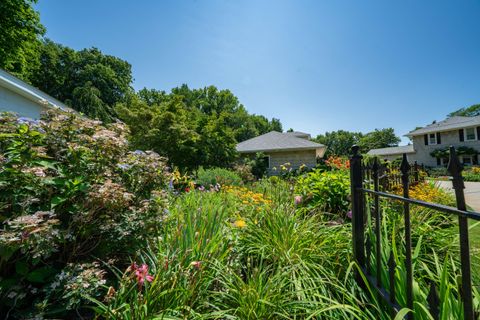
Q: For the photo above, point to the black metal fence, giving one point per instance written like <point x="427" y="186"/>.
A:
<point x="362" y="250"/>
<point x="390" y="175"/>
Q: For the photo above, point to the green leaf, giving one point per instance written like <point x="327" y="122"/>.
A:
<point x="21" y="267"/>
<point x="40" y="275"/>
<point x="56" y="201"/>
<point x="402" y="313"/>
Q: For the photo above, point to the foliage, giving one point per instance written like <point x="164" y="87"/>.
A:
<point x="430" y="192"/>
<point x="88" y="80"/>
<point x="19" y="36"/>
<point x="380" y="138"/>
<point x="325" y="190"/>
<point x="338" y="163"/>
<point x="445" y="152"/>
<point x="258" y="164"/>
<point x="276" y="264"/>
<point x="472" y="111"/>
<point x="69" y="192"/>
<point x="221" y="176"/>
<point x="244" y="170"/>
<point x="472" y="174"/>
<point x="339" y="143"/>
<point x="437" y="172"/>
<point x="192" y="127"/>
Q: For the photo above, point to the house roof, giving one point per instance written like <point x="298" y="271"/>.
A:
<point x="298" y="134"/>
<point x="31" y="93"/>
<point x="392" y="150"/>
<point x="276" y="141"/>
<point x="448" y="124"/>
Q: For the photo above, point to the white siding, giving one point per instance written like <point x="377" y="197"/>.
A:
<point x="13" y="102"/>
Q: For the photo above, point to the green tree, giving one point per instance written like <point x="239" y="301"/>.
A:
<point x="339" y="143"/>
<point x="20" y="31"/>
<point x="78" y="77"/>
<point x="166" y="129"/>
<point x="192" y="127"/>
<point x="380" y="138"/>
<point x="217" y="142"/>
<point x="472" y="111"/>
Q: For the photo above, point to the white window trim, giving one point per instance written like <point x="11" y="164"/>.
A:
<point x="474" y="132"/>
<point x="430" y="141"/>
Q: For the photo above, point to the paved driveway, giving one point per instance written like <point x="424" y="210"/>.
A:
<point x="472" y="193"/>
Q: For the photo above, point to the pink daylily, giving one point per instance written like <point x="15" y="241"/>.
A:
<point x="298" y="200"/>
<point x="141" y="273"/>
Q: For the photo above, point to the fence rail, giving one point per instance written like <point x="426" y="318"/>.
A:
<point x="363" y="178"/>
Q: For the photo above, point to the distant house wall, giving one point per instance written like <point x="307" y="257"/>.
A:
<point x="392" y="157"/>
<point x="295" y="158"/>
<point x="448" y="138"/>
<point x="13" y="102"/>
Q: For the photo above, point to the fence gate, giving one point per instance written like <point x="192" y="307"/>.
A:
<point x="362" y="180"/>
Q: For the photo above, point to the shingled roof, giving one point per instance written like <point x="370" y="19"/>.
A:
<point x="276" y="141"/>
<point x="392" y="150"/>
<point x="448" y="124"/>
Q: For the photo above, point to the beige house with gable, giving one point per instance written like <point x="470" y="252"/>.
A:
<point x="460" y="132"/>
<point x="281" y="148"/>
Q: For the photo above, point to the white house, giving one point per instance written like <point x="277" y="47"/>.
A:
<point x="23" y="99"/>
<point x="431" y="142"/>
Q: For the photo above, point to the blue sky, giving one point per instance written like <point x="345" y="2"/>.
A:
<point x="317" y="65"/>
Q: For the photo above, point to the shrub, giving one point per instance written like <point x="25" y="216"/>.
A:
<point x="207" y="177"/>
<point x="472" y="174"/>
<point x="327" y="190"/>
<point x="244" y="171"/>
<point x="70" y="191"/>
<point x="437" y="172"/>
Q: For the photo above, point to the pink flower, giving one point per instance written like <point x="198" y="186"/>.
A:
<point x="298" y="200"/>
<point x="141" y="273"/>
<point x="349" y="214"/>
<point x="196" y="264"/>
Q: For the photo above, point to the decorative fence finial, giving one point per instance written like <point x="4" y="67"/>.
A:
<point x="355" y="150"/>
<point x="405" y="166"/>
<point x="455" y="168"/>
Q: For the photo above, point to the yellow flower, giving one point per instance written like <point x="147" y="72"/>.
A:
<point x="240" y="223"/>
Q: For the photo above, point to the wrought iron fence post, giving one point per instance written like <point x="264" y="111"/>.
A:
<point x="415" y="171"/>
<point x="455" y="169"/>
<point x="358" y="214"/>
<point x="405" y="170"/>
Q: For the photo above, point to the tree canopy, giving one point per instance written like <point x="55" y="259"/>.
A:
<point x="339" y="143"/>
<point x="191" y="127"/>
<point x="20" y="31"/>
<point x="471" y="111"/>
<point x="379" y="138"/>
<point x="88" y="80"/>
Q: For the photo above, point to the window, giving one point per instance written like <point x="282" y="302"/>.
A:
<point x="266" y="161"/>
<point x="470" y="134"/>
<point x="432" y="138"/>
<point x="467" y="160"/>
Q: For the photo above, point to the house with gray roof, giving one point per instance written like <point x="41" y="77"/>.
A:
<point x="23" y="99"/>
<point x="280" y="148"/>
<point x="430" y="143"/>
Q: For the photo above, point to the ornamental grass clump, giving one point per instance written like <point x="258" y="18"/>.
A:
<point x="219" y="258"/>
<point x="71" y="194"/>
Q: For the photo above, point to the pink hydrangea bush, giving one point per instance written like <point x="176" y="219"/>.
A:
<point x="71" y="192"/>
